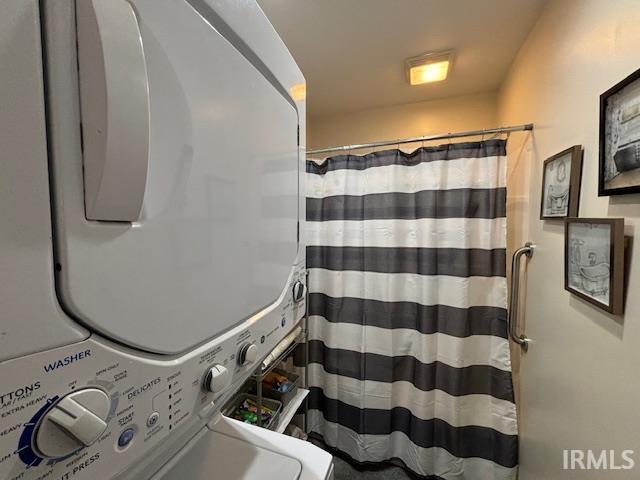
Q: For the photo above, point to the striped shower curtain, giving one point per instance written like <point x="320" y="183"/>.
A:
<point x="408" y="352"/>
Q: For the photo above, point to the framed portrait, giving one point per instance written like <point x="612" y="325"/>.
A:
<point x="620" y="138"/>
<point x="561" y="184"/>
<point x="594" y="261"/>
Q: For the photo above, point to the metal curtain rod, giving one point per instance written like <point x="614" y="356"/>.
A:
<point x="472" y="133"/>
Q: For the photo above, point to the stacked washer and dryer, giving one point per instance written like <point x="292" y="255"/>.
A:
<point x="151" y="200"/>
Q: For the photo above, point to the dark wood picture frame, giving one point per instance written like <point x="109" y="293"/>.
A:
<point x="602" y="188"/>
<point x="616" y="263"/>
<point x="575" y="177"/>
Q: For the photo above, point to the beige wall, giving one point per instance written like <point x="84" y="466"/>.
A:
<point x="402" y="121"/>
<point x="580" y="387"/>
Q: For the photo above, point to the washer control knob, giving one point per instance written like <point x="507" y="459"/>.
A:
<point x="217" y="379"/>
<point x="247" y="354"/>
<point x="299" y="291"/>
<point x="75" y="421"/>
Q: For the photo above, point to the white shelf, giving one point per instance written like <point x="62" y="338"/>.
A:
<point x="290" y="410"/>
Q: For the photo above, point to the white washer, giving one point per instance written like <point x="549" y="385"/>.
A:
<point x="151" y="196"/>
<point x="235" y="450"/>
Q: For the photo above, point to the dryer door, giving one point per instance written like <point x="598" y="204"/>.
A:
<point x="178" y="218"/>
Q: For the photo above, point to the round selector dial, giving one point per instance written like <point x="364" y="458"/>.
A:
<point x="299" y="291"/>
<point x="247" y="354"/>
<point x="217" y="379"/>
<point x="73" y="422"/>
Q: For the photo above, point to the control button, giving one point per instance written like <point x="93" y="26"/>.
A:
<point x="153" y="419"/>
<point x="217" y="379"/>
<point x="299" y="291"/>
<point x="126" y="436"/>
<point x="75" y="421"/>
<point x="248" y="354"/>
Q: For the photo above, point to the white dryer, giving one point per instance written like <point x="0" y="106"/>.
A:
<point x="151" y="205"/>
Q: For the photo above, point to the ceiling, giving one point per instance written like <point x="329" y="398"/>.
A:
<point x="352" y="52"/>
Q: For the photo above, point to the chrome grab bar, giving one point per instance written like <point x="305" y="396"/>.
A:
<point x="512" y="313"/>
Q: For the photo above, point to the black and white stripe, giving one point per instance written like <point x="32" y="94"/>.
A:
<point x="409" y="357"/>
<point x="461" y="292"/>
<point x="421" y="233"/>
<point x="445" y="319"/>
<point x="449" y="152"/>
<point x="469" y="380"/>
<point x="458" y="352"/>
<point x="433" y="463"/>
<point x="464" y="441"/>
<point x="455" y="410"/>
<point x="459" y="203"/>
<point x="455" y="262"/>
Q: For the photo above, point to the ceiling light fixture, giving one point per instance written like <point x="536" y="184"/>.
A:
<point x="428" y="68"/>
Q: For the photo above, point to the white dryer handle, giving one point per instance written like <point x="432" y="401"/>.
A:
<point x="114" y="100"/>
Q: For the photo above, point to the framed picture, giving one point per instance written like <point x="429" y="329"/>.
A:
<point x="594" y="261"/>
<point x="561" y="184"/>
<point x="620" y="138"/>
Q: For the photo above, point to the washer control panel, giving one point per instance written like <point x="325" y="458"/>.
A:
<point x="92" y="409"/>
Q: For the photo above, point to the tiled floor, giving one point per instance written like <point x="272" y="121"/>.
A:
<point x="346" y="471"/>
